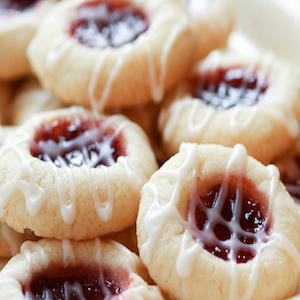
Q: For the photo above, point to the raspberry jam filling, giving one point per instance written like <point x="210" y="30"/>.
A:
<point x="75" y="142"/>
<point x="101" y="24"/>
<point x="75" y="283"/>
<point x="227" y="87"/>
<point x="230" y="224"/>
<point x="19" y="5"/>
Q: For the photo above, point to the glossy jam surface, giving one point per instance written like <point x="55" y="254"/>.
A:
<point x="70" y="142"/>
<point x="228" y="87"/>
<point x="101" y="24"/>
<point x="75" y="283"/>
<point x="230" y="224"/>
<point x="19" y="5"/>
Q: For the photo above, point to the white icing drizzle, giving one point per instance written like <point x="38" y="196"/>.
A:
<point x="104" y="209"/>
<point x="60" y="46"/>
<point x="158" y="214"/>
<point x="68" y="253"/>
<point x="25" y="179"/>
<point x="157" y="84"/>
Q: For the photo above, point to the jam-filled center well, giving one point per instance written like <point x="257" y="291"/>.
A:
<point x="101" y="24"/>
<point x="228" y="87"/>
<point x="230" y="223"/>
<point x="73" y="142"/>
<point x="75" y="283"/>
<point x="18" y="5"/>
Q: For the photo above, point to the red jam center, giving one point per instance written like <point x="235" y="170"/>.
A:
<point x="228" y="87"/>
<point x="72" y="143"/>
<point x="100" y="24"/>
<point x="75" y="283"/>
<point x="19" y="5"/>
<point x="231" y="225"/>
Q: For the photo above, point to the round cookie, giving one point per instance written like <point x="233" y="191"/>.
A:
<point x="71" y="173"/>
<point x="228" y="99"/>
<point x="214" y="223"/>
<point x="101" y="66"/>
<point x="87" y="269"/>
<point x="30" y="99"/>
<point x="212" y="23"/>
<point x="19" y="21"/>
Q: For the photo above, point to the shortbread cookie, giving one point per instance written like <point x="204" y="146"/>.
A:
<point x="18" y="23"/>
<point x="215" y="223"/>
<point x="212" y="22"/>
<point x="229" y="99"/>
<point x="83" y="270"/>
<point x="71" y="173"/>
<point x="30" y="99"/>
<point x="5" y="98"/>
<point x="127" y="54"/>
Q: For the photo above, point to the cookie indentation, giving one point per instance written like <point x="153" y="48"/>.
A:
<point x="74" y="142"/>
<point x="75" y="283"/>
<point x="229" y="222"/>
<point x="19" y="5"/>
<point x="228" y="87"/>
<point x="101" y="24"/>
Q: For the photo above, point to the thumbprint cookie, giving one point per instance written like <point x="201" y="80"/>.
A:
<point x="72" y="173"/>
<point x="110" y="53"/>
<point x="19" y="20"/>
<point x="228" y="99"/>
<point x="31" y="99"/>
<point x="214" y="223"/>
<point x="90" y="270"/>
<point x="212" y="23"/>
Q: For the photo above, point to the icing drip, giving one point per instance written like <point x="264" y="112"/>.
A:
<point x="158" y="214"/>
<point x="157" y="81"/>
<point x="26" y="181"/>
<point x="68" y="253"/>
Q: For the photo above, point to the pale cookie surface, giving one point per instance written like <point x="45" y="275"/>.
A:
<point x="215" y="223"/>
<point x="73" y="174"/>
<point x="212" y="22"/>
<point x="18" y="26"/>
<point x="86" y="269"/>
<point x="82" y="70"/>
<point x="229" y="99"/>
